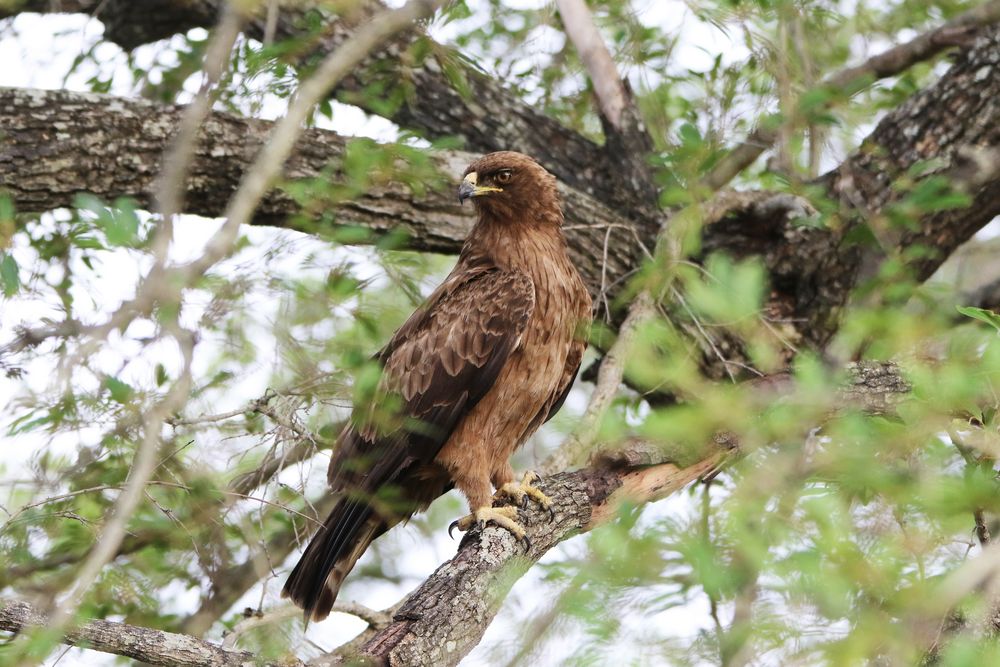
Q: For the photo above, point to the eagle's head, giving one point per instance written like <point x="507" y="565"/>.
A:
<point x="511" y="186"/>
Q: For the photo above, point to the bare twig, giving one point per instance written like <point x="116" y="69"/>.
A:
<point x="259" y="619"/>
<point x="142" y="468"/>
<point x="373" y="617"/>
<point x="150" y="291"/>
<point x="608" y="87"/>
<point x="166" y="285"/>
<point x="269" y="162"/>
<point x="177" y="159"/>
<point x="958" y="31"/>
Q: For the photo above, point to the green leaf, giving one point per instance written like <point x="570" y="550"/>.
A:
<point x="119" y="222"/>
<point x="690" y="135"/>
<point x="161" y="375"/>
<point x="120" y="391"/>
<point x="9" y="279"/>
<point x="7" y="210"/>
<point x="122" y="227"/>
<point x="981" y="314"/>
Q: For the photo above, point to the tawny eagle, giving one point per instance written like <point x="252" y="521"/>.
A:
<point x="488" y="358"/>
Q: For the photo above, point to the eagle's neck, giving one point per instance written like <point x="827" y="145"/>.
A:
<point x="518" y="246"/>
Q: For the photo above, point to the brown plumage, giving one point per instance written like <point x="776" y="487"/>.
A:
<point x="471" y="375"/>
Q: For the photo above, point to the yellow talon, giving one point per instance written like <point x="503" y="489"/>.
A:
<point x="521" y="492"/>
<point x="505" y="517"/>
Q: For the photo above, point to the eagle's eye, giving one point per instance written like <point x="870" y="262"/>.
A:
<point x="503" y="176"/>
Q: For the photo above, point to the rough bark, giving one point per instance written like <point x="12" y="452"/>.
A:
<point x="953" y="122"/>
<point x="470" y="110"/>
<point x="812" y="271"/>
<point x="960" y="31"/>
<point x="57" y="144"/>
<point x="447" y="615"/>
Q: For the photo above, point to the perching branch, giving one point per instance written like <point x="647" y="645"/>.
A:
<point x="447" y="615"/>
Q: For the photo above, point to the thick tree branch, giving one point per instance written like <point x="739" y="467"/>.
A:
<point x="447" y="615"/>
<point x="441" y="108"/>
<point x="56" y="144"/>
<point x="627" y="144"/>
<point x="951" y="127"/>
<point x="64" y="143"/>
<point x="608" y="87"/>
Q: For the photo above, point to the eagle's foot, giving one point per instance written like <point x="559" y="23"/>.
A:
<point x="505" y="517"/>
<point x="524" y="491"/>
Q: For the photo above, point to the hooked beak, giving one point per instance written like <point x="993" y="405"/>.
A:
<point x="468" y="188"/>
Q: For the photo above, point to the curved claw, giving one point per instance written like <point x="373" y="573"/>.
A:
<point x="527" y="543"/>
<point x="452" y="526"/>
<point x="552" y="513"/>
<point x="524" y="502"/>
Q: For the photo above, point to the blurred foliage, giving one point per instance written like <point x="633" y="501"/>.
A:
<point x="833" y="540"/>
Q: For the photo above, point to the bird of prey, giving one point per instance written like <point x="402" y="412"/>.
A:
<point x="472" y="373"/>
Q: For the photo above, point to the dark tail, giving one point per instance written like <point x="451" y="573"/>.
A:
<point x="333" y="551"/>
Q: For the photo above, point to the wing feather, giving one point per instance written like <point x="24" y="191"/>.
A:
<point x="441" y="362"/>
<point x="438" y="365"/>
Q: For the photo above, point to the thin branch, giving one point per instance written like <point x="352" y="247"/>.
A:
<point x="141" y="470"/>
<point x="583" y="499"/>
<point x="579" y="24"/>
<point x="373" y="617"/>
<point x="241" y="578"/>
<point x="165" y="285"/>
<point x="609" y="378"/>
<point x="932" y="618"/>
<point x="269" y="162"/>
<point x="177" y="160"/>
<point x="154" y="647"/>
<point x="257" y="620"/>
<point x="958" y="31"/>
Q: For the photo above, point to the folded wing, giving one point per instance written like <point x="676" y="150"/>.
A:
<point x="437" y="367"/>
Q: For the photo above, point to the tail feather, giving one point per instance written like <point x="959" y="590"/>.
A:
<point x="333" y="551"/>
